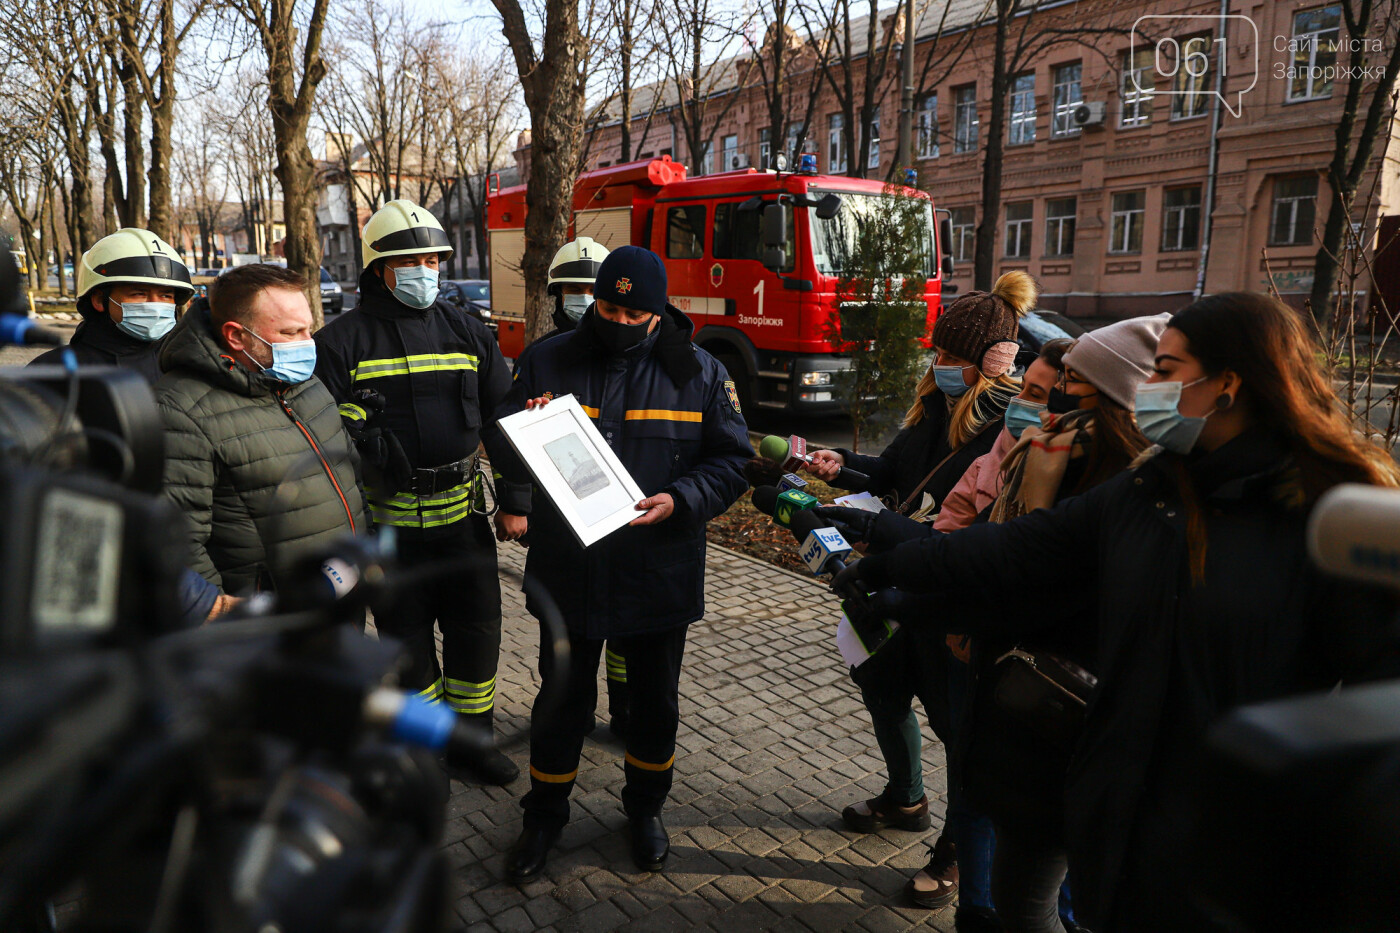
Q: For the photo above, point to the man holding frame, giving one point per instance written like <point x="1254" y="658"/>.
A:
<point x="668" y="411"/>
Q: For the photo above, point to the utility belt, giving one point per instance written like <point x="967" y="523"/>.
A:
<point x="437" y="496"/>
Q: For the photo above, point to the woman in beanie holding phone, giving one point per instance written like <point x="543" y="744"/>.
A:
<point x="955" y="418"/>
<point x="1188" y="576"/>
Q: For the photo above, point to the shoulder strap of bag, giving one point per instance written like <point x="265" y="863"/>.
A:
<point x="919" y="489"/>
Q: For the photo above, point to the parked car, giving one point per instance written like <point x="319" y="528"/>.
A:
<point x="1039" y="328"/>
<point x="471" y="295"/>
<point x="332" y="295"/>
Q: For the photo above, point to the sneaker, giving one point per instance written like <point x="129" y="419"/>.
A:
<point x="936" y="884"/>
<point x="871" y="816"/>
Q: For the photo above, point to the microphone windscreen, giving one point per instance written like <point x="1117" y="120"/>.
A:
<point x="761" y="471"/>
<point x="1354" y="532"/>
<point x="765" y="499"/>
<point x="774" y="448"/>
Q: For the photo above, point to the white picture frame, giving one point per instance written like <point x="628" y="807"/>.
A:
<point x="575" y="467"/>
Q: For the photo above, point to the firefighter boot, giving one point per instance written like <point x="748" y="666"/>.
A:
<point x="490" y="766"/>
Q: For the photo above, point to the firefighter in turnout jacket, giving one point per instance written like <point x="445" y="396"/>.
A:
<point x="417" y="381"/>
<point x="670" y="413"/>
<point x="571" y="274"/>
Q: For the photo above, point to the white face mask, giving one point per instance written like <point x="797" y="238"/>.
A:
<point x="1161" y="421"/>
<point x="575" y="305"/>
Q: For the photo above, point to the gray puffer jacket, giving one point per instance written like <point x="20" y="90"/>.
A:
<point x="231" y="438"/>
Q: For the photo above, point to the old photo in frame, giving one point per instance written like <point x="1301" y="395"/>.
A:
<point x="575" y="467"/>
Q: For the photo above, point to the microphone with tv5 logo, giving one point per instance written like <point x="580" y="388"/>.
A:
<point x="791" y="454"/>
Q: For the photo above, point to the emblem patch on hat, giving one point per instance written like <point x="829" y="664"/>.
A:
<point x="624" y="285"/>
<point x="733" y="393"/>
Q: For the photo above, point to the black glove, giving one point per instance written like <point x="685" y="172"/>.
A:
<point x="854" y="524"/>
<point x="386" y="465"/>
<point x="849" y="580"/>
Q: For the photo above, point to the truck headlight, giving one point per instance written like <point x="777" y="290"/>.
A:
<point x="814" y="379"/>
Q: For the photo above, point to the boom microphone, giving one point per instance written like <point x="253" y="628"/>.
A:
<point x="1354" y="532"/>
<point x="791" y="454"/>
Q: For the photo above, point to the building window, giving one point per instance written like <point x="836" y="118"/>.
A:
<point x="765" y="148"/>
<point x="836" y="143"/>
<point x="1295" y="206"/>
<point x="685" y="232"/>
<point x="1018" y="230"/>
<point x="707" y="158"/>
<point x="872" y="154"/>
<point x="1068" y="95"/>
<point x="964" y="233"/>
<point x="927" y="129"/>
<point x="965" y="118"/>
<point x="1059" y="226"/>
<point x="1181" y="218"/>
<point x="1126" y="232"/>
<point x="1315" y="37"/>
<point x="795" y="141"/>
<point x="1191" y="88"/>
<point x="729" y="152"/>
<point x="1022" y="126"/>
<point x="1136" y="93"/>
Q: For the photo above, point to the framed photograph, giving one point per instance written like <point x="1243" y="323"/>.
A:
<point x="575" y="467"/>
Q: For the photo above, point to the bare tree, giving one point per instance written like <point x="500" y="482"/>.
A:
<point x="203" y="176"/>
<point x="785" y="64"/>
<point x="1371" y="26"/>
<point x="290" y="34"/>
<point x="700" y="39"/>
<point x="553" y="81"/>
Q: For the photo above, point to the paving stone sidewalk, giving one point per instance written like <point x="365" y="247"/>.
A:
<point x="773" y="743"/>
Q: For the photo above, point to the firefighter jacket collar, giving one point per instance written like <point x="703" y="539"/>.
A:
<point x="669" y="343"/>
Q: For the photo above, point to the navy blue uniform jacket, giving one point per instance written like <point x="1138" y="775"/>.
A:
<point x="689" y="440"/>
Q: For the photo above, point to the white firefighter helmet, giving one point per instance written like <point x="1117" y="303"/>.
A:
<point x="136" y="257"/>
<point x="576" y="263"/>
<point x="402" y="228"/>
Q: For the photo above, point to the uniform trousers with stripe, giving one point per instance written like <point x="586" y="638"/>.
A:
<point x="556" y="736"/>
<point x="465" y="602"/>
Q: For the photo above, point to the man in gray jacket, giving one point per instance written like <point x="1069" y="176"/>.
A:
<point x="244" y="414"/>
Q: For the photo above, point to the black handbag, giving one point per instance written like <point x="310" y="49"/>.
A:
<point x="1044" y="692"/>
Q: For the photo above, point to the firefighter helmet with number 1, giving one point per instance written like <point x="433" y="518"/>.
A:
<point x="133" y="256"/>
<point x="576" y="263"/>
<point x="402" y="228"/>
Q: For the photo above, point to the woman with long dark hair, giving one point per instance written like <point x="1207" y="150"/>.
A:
<point x="1201" y="595"/>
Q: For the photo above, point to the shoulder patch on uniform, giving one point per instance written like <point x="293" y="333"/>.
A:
<point x="548" y="395"/>
<point x="733" y="392"/>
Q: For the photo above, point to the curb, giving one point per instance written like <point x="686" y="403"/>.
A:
<point x="813" y="581"/>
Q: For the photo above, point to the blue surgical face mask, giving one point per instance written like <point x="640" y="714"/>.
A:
<point x="146" y="320"/>
<point x="416" y="286"/>
<point x="1021" y="414"/>
<point x="1159" y="420"/>
<point x="950" y="380"/>
<point x="575" y="305"/>
<point x="293" y="361"/>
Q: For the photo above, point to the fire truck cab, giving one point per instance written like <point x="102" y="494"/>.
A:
<point x="752" y="257"/>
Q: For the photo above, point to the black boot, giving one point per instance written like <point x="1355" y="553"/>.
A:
<point x="490" y="766"/>
<point x="650" y="842"/>
<point x="527" y="857"/>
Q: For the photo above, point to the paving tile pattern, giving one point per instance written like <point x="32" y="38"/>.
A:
<point x="773" y="743"/>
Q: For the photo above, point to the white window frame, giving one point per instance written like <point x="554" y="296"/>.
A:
<point x="964" y="234"/>
<point x="1292" y="204"/>
<point x="728" y="148"/>
<point x="926" y="130"/>
<point x="836" y="144"/>
<point x="965" y="123"/>
<point x="1307" y="46"/>
<point x="1139" y="87"/>
<point x="872" y="155"/>
<point x="1019" y="231"/>
<point x="765" y="148"/>
<point x="1132" y="219"/>
<point x="1021" y="110"/>
<point x="1056" y="226"/>
<point x="707" y="159"/>
<point x="1191" y="93"/>
<point x="1068" y="94"/>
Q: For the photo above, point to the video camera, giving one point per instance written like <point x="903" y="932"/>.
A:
<point x="252" y="774"/>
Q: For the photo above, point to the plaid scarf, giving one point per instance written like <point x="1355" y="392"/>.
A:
<point x="1035" y="467"/>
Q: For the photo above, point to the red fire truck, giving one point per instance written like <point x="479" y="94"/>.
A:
<point x="751" y="257"/>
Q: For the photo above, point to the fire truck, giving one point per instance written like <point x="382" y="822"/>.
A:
<point x="752" y="257"/>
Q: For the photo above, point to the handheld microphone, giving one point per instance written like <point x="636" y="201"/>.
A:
<point x="782" y="506"/>
<point x="791" y="454"/>
<point x="19" y="329"/>
<point x="1354" y="532"/>
<point x="824" y="550"/>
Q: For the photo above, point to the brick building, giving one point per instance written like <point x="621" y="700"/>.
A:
<point x="1110" y="139"/>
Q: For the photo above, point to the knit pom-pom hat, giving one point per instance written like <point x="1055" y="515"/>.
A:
<point x="981" y="327"/>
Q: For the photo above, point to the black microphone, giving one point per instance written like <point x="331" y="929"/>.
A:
<point x="18" y="329"/>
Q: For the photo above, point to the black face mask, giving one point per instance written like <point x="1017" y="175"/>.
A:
<point x="1061" y="402"/>
<point x="618" y="338"/>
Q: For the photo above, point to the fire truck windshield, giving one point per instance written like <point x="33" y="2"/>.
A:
<point x="834" y="240"/>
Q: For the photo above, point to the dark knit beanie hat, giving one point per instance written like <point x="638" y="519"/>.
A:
<point x="981" y="327"/>
<point x="633" y="277"/>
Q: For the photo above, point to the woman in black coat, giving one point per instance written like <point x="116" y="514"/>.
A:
<point x="1195" y="567"/>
